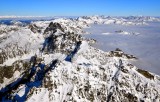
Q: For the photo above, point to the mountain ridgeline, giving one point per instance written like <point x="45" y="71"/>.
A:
<point x="48" y="61"/>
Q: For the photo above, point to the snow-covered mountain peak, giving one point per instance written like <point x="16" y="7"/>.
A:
<point x="53" y="28"/>
<point x="49" y="61"/>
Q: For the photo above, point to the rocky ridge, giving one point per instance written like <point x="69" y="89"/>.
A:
<point x="60" y="65"/>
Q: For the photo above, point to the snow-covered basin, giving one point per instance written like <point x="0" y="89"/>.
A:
<point x="146" y="45"/>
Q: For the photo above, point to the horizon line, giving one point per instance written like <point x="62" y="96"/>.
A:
<point x="14" y="16"/>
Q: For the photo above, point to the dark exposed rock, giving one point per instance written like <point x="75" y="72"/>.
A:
<point x="11" y="51"/>
<point x="8" y="71"/>
<point x="34" y="74"/>
<point x="123" y="69"/>
<point x="34" y="28"/>
<point x="145" y="73"/>
<point x="130" y="97"/>
<point x="119" y="53"/>
<point x="53" y="28"/>
<point x="63" y="42"/>
<point x="117" y="49"/>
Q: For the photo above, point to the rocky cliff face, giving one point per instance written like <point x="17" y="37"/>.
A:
<point x="57" y="65"/>
<point x="56" y="40"/>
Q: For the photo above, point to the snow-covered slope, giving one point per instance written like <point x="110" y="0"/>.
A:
<point x="132" y="20"/>
<point x="92" y="76"/>
<point x="48" y="61"/>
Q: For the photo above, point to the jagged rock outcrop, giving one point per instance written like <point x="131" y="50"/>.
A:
<point x="11" y="51"/>
<point x="56" y="40"/>
<point x="34" y="28"/>
<point x="53" y="27"/>
<point x="119" y="53"/>
<point x="11" y="73"/>
<point x="16" y="44"/>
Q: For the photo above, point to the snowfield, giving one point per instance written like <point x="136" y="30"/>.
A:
<point x="56" y="60"/>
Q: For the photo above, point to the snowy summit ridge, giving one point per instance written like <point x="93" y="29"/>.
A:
<point x="50" y="61"/>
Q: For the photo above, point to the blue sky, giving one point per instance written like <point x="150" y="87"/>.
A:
<point x="79" y="7"/>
